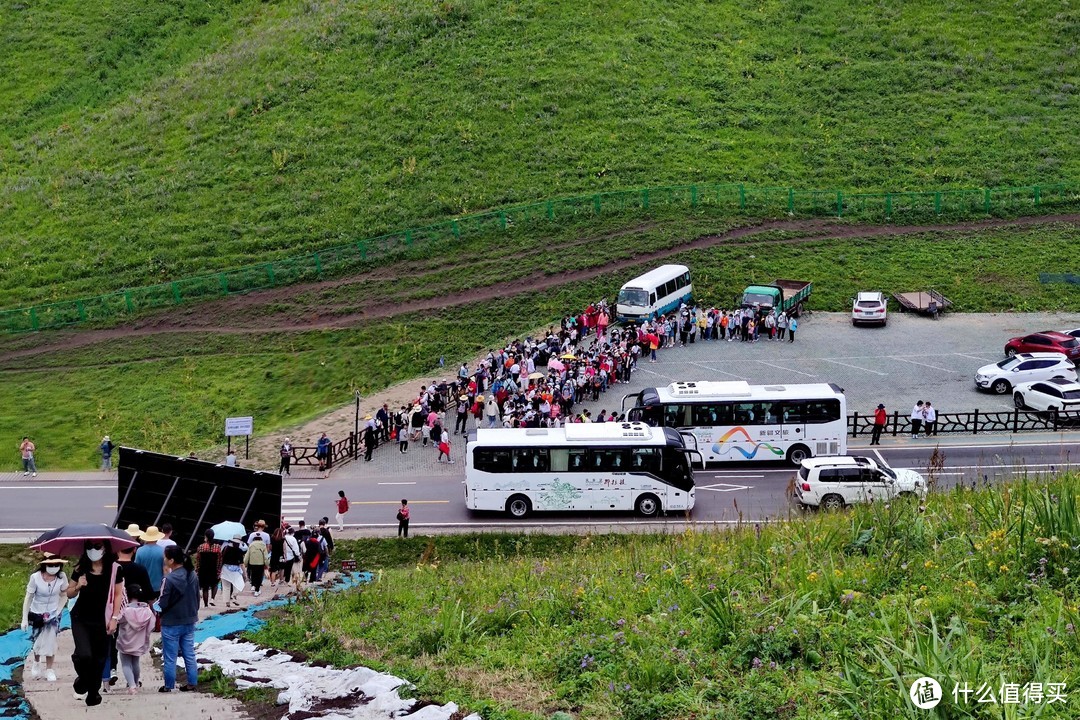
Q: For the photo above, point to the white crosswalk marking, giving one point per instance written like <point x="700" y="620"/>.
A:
<point x="295" y="499"/>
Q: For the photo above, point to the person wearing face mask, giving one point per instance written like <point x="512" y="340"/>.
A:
<point x="42" y="607"/>
<point x="98" y="582"/>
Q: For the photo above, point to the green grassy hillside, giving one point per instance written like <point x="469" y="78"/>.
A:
<point x="150" y="140"/>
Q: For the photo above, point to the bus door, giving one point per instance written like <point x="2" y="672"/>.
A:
<point x="622" y="405"/>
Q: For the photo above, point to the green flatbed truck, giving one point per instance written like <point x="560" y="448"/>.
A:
<point x="788" y="296"/>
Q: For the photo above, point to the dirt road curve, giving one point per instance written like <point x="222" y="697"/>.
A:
<point x="207" y="317"/>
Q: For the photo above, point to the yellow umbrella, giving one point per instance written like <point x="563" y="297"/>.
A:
<point x="536" y="376"/>
<point x="568" y="356"/>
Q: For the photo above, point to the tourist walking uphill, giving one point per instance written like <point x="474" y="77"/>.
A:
<point x="98" y="583"/>
<point x="585" y="356"/>
<point x="179" y="609"/>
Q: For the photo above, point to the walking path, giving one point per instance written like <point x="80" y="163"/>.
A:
<point x="54" y="700"/>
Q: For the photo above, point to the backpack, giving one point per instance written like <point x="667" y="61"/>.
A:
<point x="135" y="626"/>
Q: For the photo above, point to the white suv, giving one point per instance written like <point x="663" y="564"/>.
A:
<point x="869" y="307"/>
<point x="833" y="482"/>
<point x="1001" y="377"/>
<point x="1048" y="395"/>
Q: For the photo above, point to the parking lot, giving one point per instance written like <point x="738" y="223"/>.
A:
<point x="912" y="358"/>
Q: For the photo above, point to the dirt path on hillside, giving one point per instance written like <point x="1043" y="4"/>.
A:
<point x="207" y="317"/>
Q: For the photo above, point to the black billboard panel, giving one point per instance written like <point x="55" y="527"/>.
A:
<point x="192" y="494"/>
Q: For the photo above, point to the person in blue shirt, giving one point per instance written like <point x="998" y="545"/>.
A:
<point x="151" y="556"/>
<point x="322" y="451"/>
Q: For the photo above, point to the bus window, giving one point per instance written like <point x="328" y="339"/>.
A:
<point x="822" y="411"/>
<point x="652" y="298"/>
<point x="609" y="459"/>
<point x="773" y="412"/>
<point x="646" y="460"/>
<point x="680" y="282"/>
<point x="669" y="288"/>
<point x="710" y="415"/>
<point x="530" y="460"/>
<point x="491" y="460"/>
<point x="675" y="415"/>
<point x="560" y="460"/>
<point x="577" y="460"/>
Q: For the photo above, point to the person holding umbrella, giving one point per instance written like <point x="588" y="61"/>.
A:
<point x="42" y="607"/>
<point x="98" y="582"/>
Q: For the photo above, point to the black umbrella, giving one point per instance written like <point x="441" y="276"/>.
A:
<point x="71" y="538"/>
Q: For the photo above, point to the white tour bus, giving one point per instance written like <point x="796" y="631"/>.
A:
<point x="656" y="292"/>
<point x="582" y="466"/>
<point x="740" y="421"/>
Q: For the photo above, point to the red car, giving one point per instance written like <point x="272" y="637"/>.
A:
<point x="1045" y="341"/>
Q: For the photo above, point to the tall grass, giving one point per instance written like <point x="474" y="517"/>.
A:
<point x="831" y="616"/>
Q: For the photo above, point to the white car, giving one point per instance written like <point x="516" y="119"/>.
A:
<point x="834" y="482"/>
<point x="869" y="307"/>
<point x="1074" y="333"/>
<point x="1048" y="395"/>
<point x="1001" y="377"/>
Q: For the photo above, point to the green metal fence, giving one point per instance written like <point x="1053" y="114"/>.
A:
<point x="739" y="200"/>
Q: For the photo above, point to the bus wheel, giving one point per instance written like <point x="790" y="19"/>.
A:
<point x="518" y="506"/>
<point x="797" y="453"/>
<point x="648" y="505"/>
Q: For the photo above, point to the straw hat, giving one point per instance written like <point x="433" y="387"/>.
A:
<point x="134" y="531"/>
<point x="152" y="534"/>
<point x="51" y="559"/>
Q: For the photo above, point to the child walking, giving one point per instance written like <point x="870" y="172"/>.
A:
<point x="133" y="637"/>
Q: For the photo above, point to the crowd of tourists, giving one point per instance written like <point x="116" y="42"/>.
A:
<point x="125" y="592"/>
<point x="584" y="357"/>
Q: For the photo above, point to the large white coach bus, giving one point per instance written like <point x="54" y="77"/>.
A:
<point x="582" y="466"/>
<point x="740" y="421"/>
<point x="656" y="292"/>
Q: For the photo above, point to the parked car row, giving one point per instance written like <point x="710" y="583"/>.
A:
<point x="1041" y="357"/>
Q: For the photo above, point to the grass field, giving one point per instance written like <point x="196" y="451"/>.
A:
<point x="831" y="616"/>
<point x="146" y="141"/>
<point x="170" y="391"/>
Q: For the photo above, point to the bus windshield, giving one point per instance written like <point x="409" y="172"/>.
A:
<point x="634" y="296"/>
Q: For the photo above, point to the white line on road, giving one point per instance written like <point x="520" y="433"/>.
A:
<point x="294" y="505"/>
<point x="397" y="483"/>
<point x="781" y="367"/>
<point x="973" y="357"/>
<point x="916" y="362"/>
<point x="854" y="367"/>
<point x="969" y="447"/>
<point x="878" y="453"/>
<point x="653" y="372"/>
<point x="741" y="477"/>
<point x="706" y="367"/>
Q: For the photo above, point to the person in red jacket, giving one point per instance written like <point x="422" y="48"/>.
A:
<point x="880" y="418"/>
<point x="342" y="508"/>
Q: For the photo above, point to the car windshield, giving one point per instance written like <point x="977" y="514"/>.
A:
<point x="888" y="471"/>
<point x="1008" y="363"/>
<point x="633" y="296"/>
<point x="1070" y="343"/>
<point x="1071" y="394"/>
<point x="755" y="299"/>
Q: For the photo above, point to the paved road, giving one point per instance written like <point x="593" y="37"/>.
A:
<point x="727" y="494"/>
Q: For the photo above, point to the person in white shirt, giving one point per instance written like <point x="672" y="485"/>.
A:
<point x="916" y="419"/>
<point x="929" y="419"/>
<point x="167" y="531"/>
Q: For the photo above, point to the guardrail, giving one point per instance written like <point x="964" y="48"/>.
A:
<point x="738" y="199"/>
<point x="341" y="452"/>
<point x="971" y="423"/>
